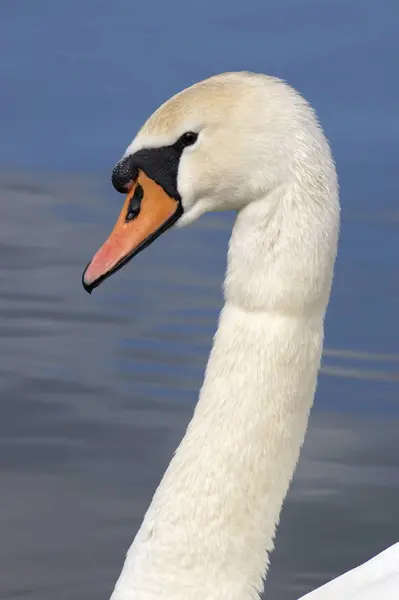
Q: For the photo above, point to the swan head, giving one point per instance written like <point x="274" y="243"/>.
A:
<point x="218" y="145"/>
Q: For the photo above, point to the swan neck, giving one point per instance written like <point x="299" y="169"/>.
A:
<point x="283" y="248"/>
<point x="210" y="528"/>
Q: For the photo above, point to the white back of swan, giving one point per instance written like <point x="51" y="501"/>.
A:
<point x="377" y="579"/>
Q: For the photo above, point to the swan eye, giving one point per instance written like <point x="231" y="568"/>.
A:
<point x="189" y="138"/>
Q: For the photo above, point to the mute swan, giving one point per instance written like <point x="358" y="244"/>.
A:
<point x="250" y="143"/>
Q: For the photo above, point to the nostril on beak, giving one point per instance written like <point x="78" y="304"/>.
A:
<point x="124" y="174"/>
<point x="135" y="204"/>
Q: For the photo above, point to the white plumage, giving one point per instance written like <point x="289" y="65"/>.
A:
<point x="377" y="579"/>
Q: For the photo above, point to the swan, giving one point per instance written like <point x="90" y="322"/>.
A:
<point x="249" y="143"/>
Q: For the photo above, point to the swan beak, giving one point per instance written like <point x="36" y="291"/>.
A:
<point x="147" y="212"/>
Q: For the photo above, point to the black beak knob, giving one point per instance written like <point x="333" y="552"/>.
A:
<point x="124" y="174"/>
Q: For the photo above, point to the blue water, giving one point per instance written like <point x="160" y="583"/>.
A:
<point x="96" y="391"/>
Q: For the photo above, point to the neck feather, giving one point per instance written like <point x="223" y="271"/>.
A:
<point x="209" y="530"/>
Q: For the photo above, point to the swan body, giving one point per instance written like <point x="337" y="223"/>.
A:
<point x="248" y="143"/>
<point x="377" y="579"/>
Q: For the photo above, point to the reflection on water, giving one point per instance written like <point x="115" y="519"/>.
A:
<point x="96" y="391"/>
<point x="362" y="360"/>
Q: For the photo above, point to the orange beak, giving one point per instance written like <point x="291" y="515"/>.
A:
<point x="147" y="212"/>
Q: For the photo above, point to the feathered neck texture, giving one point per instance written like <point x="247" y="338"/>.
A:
<point x="210" y="527"/>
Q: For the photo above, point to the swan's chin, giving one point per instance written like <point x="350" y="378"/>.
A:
<point x="193" y="213"/>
